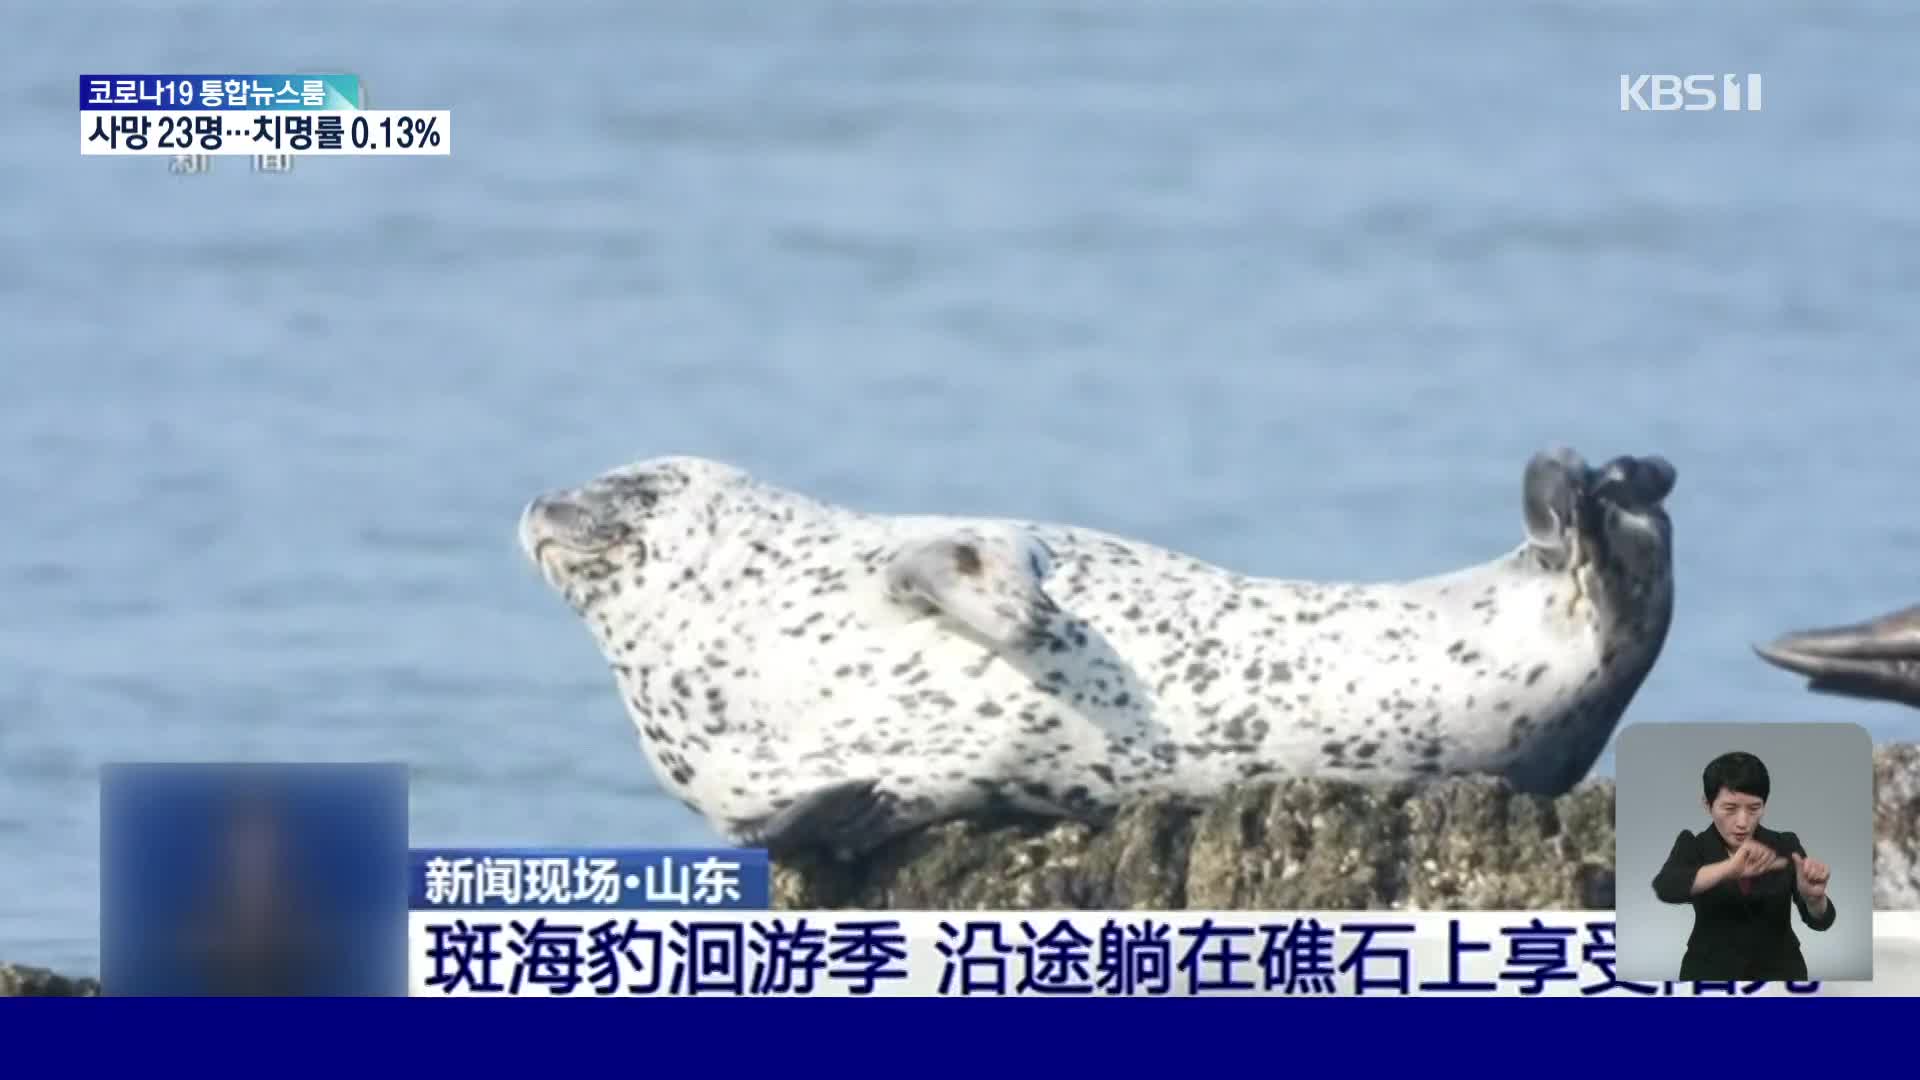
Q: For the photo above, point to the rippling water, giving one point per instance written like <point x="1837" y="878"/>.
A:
<point x="1293" y="287"/>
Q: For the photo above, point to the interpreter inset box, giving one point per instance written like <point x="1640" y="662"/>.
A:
<point x="253" y="880"/>
<point x="1744" y="852"/>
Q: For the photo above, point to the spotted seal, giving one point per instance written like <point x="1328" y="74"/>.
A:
<point x="803" y="674"/>
<point x="1876" y="659"/>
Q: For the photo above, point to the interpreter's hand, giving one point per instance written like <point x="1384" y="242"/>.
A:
<point x="1810" y="875"/>
<point x="1754" y="858"/>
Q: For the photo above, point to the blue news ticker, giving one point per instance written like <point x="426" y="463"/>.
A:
<point x="275" y="92"/>
<point x="588" y="879"/>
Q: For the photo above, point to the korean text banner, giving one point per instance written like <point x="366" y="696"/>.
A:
<point x="249" y="93"/>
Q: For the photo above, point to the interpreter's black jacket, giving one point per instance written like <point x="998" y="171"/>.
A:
<point x="1739" y="936"/>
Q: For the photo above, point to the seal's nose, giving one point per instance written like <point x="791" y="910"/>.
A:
<point x="561" y="514"/>
<point x="550" y="515"/>
<point x="573" y="519"/>
<point x="528" y="527"/>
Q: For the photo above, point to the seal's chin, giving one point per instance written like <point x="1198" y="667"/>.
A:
<point x="538" y="545"/>
<point x="549" y="571"/>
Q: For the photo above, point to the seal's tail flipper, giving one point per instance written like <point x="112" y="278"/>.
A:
<point x="1877" y="659"/>
<point x="844" y="818"/>
<point x="988" y="583"/>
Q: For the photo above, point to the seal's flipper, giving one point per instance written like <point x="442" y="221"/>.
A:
<point x="845" y="818"/>
<point x="1877" y="659"/>
<point x="989" y="583"/>
<point x="1636" y="481"/>
<point x="1551" y="489"/>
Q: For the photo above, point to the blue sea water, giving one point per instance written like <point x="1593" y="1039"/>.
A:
<point x="1294" y="287"/>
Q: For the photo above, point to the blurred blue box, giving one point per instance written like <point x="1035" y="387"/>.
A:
<point x="253" y="880"/>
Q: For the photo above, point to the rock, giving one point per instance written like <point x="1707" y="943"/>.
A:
<point x="1896" y="827"/>
<point x="1462" y="845"/>
<point x="18" y="981"/>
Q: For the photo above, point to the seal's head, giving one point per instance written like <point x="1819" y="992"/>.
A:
<point x="628" y="529"/>
<point x="1877" y="659"/>
<point x="1609" y="522"/>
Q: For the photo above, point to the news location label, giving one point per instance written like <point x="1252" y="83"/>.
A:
<point x="587" y="881"/>
<point x="1299" y="954"/>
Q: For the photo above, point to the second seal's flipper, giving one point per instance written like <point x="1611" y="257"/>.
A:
<point x="1878" y="658"/>
<point x="989" y="583"/>
<point x="845" y="819"/>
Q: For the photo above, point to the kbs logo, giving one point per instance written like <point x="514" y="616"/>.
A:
<point x="1689" y="93"/>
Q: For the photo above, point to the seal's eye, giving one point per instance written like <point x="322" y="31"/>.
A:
<point x="608" y="533"/>
<point x="639" y="553"/>
<point x="640" y="490"/>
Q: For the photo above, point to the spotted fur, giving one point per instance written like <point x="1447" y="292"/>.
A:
<point x="806" y="674"/>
